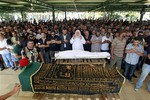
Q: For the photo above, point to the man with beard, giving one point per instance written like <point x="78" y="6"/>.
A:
<point x="54" y="44"/>
<point x="65" y="40"/>
<point x="32" y="52"/>
<point x="77" y="41"/>
<point x="87" y="37"/>
<point x="96" y="42"/>
<point x="117" y="50"/>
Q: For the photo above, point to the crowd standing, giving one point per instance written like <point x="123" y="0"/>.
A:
<point x="127" y="42"/>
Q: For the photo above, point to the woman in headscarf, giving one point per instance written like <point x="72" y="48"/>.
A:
<point x="77" y="41"/>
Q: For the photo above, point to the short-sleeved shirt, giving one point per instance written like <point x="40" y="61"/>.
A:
<point x="147" y="59"/>
<point x="133" y="58"/>
<point x="43" y="43"/>
<point x="17" y="49"/>
<point x="119" y="46"/>
<point x="105" y="46"/>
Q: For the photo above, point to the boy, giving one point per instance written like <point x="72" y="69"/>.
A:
<point x="133" y="52"/>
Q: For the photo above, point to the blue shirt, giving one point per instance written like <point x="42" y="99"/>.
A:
<point x="133" y="58"/>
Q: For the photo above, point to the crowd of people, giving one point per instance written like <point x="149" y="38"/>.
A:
<point x="127" y="42"/>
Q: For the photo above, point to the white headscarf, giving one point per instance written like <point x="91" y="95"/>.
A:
<point x="78" y="34"/>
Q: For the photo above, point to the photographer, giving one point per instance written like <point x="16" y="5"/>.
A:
<point x="11" y="93"/>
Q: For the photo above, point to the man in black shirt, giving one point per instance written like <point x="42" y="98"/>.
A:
<point x="145" y="71"/>
<point x="147" y="42"/>
<point x="54" y="44"/>
<point x="87" y="37"/>
<point x="44" y="47"/>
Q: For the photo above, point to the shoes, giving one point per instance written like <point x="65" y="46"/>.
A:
<point x="134" y="76"/>
<point x="1" y="69"/>
<point x="6" y="67"/>
<point x="16" y="68"/>
<point x="13" y="68"/>
<point x="20" y="68"/>
<point x="130" y="81"/>
<point x="136" y="89"/>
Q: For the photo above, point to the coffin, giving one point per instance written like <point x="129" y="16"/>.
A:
<point x="78" y="76"/>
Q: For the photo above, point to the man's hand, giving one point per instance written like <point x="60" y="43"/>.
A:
<point x="74" y="36"/>
<point x="22" y="51"/>
<point x="112" y="57"/>
<point x="134" y="50"/>
<point x="88" y="42"/>
<point x="16" y="88"/>
<point x="3" y="48"/>
<point x="12" y="92"/>
<point x="53" y="41"/>
<point x="65" y="41"/>
<point x="41" y="46"/>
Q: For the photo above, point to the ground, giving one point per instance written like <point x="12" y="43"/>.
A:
<point x="8" y="78"/>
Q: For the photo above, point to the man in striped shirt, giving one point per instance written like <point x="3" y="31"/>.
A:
<point x="117" y="50"/>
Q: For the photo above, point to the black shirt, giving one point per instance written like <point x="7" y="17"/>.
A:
<point x="147" y="59"/>
<point x="43" y="43"/>
<point x="147" y="40"/>
<point x="87" y="47"/>
<point x="54" y="46"/>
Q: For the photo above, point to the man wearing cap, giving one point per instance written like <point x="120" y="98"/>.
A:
<point x="133" y="52"/>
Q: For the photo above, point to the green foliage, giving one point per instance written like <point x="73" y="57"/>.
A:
<point x="5" y="16"/>
<point x="24" y="15"/>
<point x="114" y="16"/>
<point x="130" y="16"/>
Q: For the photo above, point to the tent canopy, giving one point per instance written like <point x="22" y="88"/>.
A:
<point x="74" y="5"/>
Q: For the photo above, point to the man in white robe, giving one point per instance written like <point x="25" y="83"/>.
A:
<point x="77" y="41"/>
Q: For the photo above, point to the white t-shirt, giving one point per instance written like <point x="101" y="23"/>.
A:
<point x="3" y="44"/>
<point x="11" y="47"/>
<point x="105" y="46"/>
<point x="65" y="36"/>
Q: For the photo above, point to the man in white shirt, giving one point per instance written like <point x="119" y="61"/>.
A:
<point x="106" y="40"/>
<point x="4" y="52"/>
